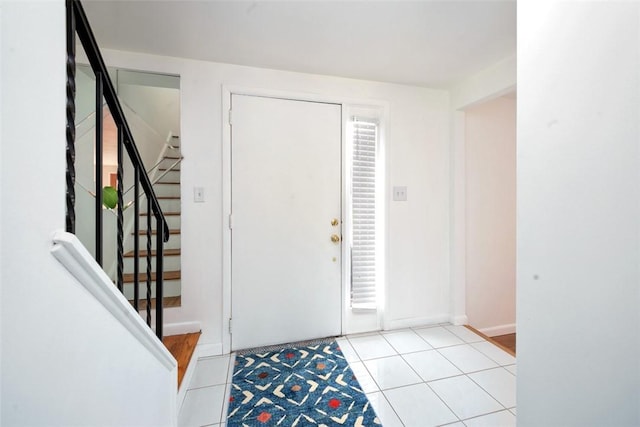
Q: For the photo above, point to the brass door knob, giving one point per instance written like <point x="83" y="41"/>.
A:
<point x="335" y="222"/>
<point x="335" y="238"/>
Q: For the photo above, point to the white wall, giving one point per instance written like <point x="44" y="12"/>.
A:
<point x="578" y="215"/>
<point x="65" y="360"/>
<point x="491" y="216"/>
<point x="417" y="149"/>
<point x="1" y="195"/>
<point x="159" y="107"/>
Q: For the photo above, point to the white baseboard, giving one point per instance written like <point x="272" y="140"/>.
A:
<point x="459" y="320"/>
<point x="208" y="350"/>
<point x="180" y="328"/>
<point x="495" y="331"/>
<point x="414" y="322"/>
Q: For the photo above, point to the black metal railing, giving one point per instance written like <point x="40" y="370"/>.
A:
<point x="77" y="23"/>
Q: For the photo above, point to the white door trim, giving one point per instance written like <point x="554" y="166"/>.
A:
<point x="227" y="91"/>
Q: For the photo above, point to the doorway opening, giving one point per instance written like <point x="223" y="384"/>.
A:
<point x="490" y="217"/>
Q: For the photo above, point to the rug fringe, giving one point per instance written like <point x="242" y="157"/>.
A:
<point x="278" y="347"/>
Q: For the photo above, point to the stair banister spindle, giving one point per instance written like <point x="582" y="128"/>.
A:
<point x="148" y="258"/>
<point x="70" y="173"/>
<point x="98" y="173"/>
<point x="159" y="278"/>
<point x="136" y="240"/>
<point x="120" y="178"/>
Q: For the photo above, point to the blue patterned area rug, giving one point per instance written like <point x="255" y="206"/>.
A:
<point x="300" y="385"/>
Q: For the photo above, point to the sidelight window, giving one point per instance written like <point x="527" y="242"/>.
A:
<point x="364" y="138"/>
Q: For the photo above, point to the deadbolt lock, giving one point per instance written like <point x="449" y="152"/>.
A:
<point x="335" y="238"/>
<point x="335" y="222"/>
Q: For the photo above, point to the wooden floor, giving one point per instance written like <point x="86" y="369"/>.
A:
<point x="508" y="340"/>
<point x="167" y="302"/>
<point x="505" y="342"/>
<point x="182" y="348"/>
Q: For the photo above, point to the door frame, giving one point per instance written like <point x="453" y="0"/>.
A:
<point x="345" y="103"/>
<point x="458" y="224"/>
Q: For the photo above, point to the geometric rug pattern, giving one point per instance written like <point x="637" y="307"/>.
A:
<point x="299" y="385"/>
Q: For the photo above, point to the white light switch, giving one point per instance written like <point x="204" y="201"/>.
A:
<point x="198" y="194"/>
<point x="400" y="194"/>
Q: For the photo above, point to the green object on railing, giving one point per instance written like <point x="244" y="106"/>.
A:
<point x="109" y="197"/>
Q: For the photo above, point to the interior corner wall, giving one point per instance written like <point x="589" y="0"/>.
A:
<point x="417" y="157"/>
<point x="490" y="83"/>
<point x="578" y="239"/>
<point x="490" y="161"/>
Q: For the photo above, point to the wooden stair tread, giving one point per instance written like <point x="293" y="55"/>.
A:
<point x="166" y="252"/>
<point x="167" y="302"/>
<point x="182" y="348"/>
<point x="154" y="232"/>
<point x="164" y="213"/>
<point x="142" y="277"/>
<point x="167" y="183"/>
<point x="168" y="197"/>
<point x="166" y="169"/>
<point x="172" y="157"/>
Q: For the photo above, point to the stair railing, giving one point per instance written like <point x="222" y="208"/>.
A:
<point x="155" y="180"/>
<point x="77" y="23"/>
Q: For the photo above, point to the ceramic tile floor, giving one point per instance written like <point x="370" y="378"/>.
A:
<point x="419" y="377"/>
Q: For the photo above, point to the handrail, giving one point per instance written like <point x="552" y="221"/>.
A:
<point x="77" y="23"/>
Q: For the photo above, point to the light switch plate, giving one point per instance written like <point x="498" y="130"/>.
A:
<point x="198" y="194"/>
<point x="400" y="194"/>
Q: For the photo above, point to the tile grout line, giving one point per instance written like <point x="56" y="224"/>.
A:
<point x="227" y="389"/>
<point x="466" y="374"/>
<point x="391" y="406"/>
<point x="445" y="403"/>
<point x="206" y="386"/>
<point x="488" y="413"/>
<point x="487" y="391"/>
<point x="491" y="340"/>
<point x="515" y="362"/>
<point x="358" y="359"/>
<point x="374" y="380"/>
<point x="407" y="385"/>
<point x="224" y="394"/>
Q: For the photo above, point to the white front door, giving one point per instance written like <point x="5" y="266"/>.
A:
<point x="285" y="206"/>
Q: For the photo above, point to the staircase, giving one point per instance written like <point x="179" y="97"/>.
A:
<point x="167" y="188"/>
<point x="105" y="94"/>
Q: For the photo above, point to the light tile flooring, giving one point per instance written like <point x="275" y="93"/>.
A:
<point x="420" y="377"/>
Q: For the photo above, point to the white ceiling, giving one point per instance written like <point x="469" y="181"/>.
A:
<point x="423" y="43"/>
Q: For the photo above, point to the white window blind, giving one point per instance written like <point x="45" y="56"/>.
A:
<point x="363" y="215"/>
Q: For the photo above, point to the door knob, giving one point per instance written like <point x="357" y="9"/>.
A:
<point x="335" y="222"/>
<point x="335" y="238"/>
